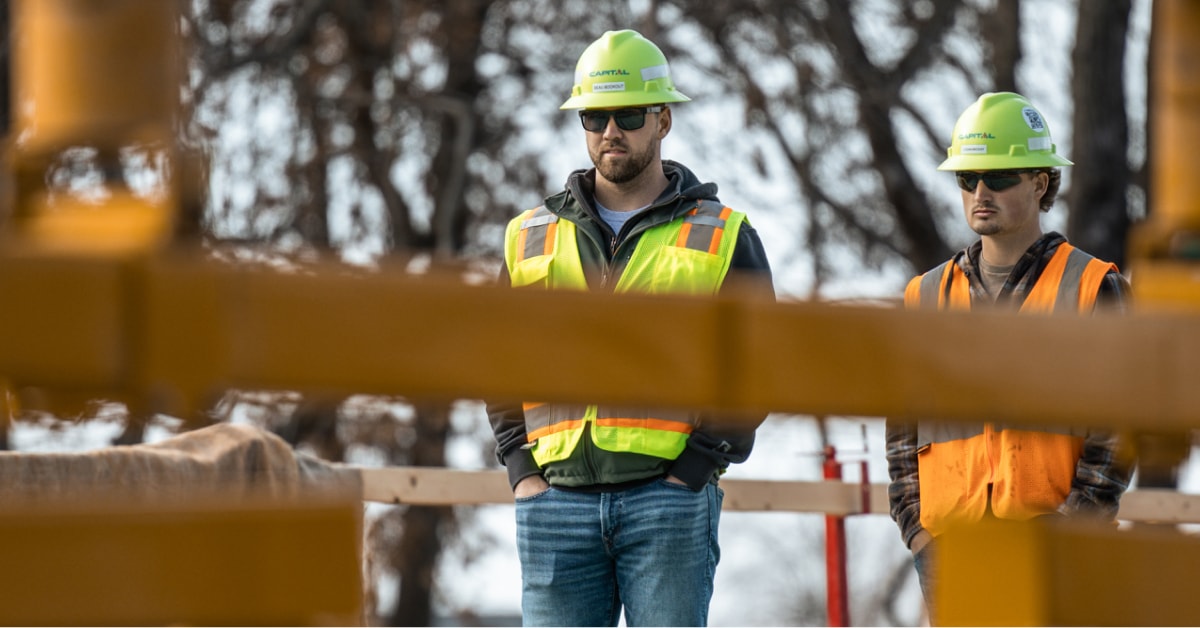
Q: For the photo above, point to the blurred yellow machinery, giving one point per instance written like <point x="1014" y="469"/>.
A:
<point x="209" y="561"/>
<point x="100" y="302"/>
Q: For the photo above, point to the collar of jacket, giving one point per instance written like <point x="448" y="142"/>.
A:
<point x="576" y="202"/>
<point x="1038" y="254"/>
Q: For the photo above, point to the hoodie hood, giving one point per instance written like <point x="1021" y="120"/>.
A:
<point x="685" y="183"/>
<point x="682" y="185"/>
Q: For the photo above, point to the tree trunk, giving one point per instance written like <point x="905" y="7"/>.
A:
<point x="462" y="32"/>
<point x="418" y="551"/>
<point x="1004" y="38"/>
<point x="1098" y="219"/>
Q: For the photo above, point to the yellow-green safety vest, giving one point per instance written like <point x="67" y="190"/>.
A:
<point x="689" y="255"/>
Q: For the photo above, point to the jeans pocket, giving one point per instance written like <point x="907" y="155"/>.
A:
<point x="534" y="497"/>
<point x="676" y="487"/>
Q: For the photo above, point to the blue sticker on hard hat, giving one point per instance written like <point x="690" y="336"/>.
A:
<point x="1033" y="119"/>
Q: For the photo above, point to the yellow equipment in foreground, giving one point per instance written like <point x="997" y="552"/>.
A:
<point x="97" y="305"/>
<point x="224" y="525"/>
<point x="209" y="561"/>
<point x="1005" y="574"/>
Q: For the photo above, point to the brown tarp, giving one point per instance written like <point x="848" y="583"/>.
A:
<point x="225" y="459"/>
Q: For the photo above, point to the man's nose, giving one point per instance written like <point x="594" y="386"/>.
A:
<point x="611" y="129"/>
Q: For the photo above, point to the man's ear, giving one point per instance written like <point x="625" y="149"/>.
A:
<point x="1042" y="183"/>
<point x="664" y="122"/>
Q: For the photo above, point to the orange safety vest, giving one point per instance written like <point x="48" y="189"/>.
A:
<point x="1020" y="471"/>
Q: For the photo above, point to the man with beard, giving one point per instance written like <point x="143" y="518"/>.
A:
<point x="617" y="508"/>
<point x="948" y="474"/>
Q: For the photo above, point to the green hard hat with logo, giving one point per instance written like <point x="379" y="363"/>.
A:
<point x="622" y="69"/>
<point x="1001" y="131"/>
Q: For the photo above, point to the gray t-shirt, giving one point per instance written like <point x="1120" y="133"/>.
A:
<point x="616" y="219"/>
<point x="993" y="277"/>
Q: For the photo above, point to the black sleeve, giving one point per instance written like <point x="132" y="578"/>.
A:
<point x="713" y="446"/>
<point x="904" y="490"/>
<point x="508" y="424"/>
<point x="749" y="269"/>
<point x="1114" y="295"/>
<point x="721" y="441"/>
<point x="504" y="279"/>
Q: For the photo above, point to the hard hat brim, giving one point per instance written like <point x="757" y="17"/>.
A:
<point x="1003" y="162"/>
<point x="623" y="99"/>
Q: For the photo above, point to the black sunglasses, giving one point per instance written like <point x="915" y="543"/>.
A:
<point x="596" y="120"/>
<point x="995" y="180"/>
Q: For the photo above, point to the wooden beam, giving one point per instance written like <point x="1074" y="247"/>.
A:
<point x="443" y="487"/>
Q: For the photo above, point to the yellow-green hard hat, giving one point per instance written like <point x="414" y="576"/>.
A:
<point x="1001" y="131"/>
<point x="622" y="69"/>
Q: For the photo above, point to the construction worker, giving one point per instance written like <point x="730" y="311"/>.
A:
<point x="945" y="474"/>
<point x="618" y="507"/>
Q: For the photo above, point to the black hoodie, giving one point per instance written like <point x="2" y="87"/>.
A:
<point x="712" y="446"/>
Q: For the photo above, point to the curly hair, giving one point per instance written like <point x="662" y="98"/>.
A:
<point x="1051" y="188"/>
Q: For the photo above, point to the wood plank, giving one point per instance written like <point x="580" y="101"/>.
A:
<point x="440" y="487"/>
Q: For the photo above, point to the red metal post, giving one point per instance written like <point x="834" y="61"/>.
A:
<point x="864" y="480"/>
<point x="865" y="488"/>
<point x="837" y="603"/>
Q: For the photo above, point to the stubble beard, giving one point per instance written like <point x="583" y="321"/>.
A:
<point x="622" y="170"/>
<point x="986" y="227"/>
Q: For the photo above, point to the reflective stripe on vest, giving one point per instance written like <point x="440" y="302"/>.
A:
<point x="557" y="428"/>
<point x="1076" y="278"/>
<point x="1068" y="284"/>
<point x="540" y="250"/>
<point x="1029" y="468"/>
<point x="689" y="255"/>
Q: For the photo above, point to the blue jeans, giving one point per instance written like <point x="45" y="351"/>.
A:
<point x="924" y="561"/>
<point x="651" y="549"/>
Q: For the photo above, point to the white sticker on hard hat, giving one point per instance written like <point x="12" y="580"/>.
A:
<point x="1033" y="119"/>
<point x="1039" y="143"/>
<point x="618" y="86"/>
<point x="973" y="149"/>
<point x="655" y="72"/>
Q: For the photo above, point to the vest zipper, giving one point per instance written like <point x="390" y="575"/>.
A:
<point x="606" y="272"/>
<point x="605" y="264"/>
<point x="589" y="460"/>
<point x="989" y="434"/>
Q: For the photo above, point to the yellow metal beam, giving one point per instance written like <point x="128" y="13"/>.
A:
<point x="63" y="321"/>
<point x="207" y="562"/>
<point x="170" y="332"/>
<point x="1165" y="249"/>
<point x="103" y="74"/>
<point x="1011" y="574"/>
